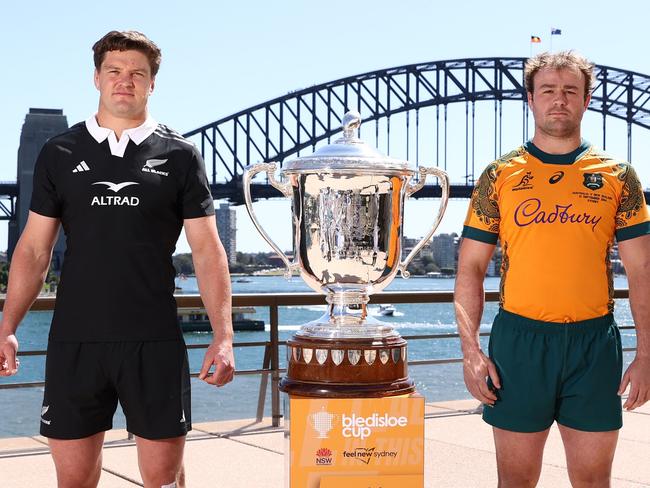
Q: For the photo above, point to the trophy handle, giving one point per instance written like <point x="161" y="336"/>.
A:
<point x="444" y="184"/>
<point x="285" y="189"/>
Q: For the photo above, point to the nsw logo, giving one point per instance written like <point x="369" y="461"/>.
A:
<point x="593" y="181"/>
<point x="150" y="164"/>
<point x="323" y="457"/>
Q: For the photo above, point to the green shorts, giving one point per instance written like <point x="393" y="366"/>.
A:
<point x="569" y="372"/>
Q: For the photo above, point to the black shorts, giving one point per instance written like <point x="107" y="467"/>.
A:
<point x="84" y="381"/>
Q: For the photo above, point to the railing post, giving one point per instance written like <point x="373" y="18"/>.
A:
<point x="264" y="381"/>
<point x="275" y="366"/>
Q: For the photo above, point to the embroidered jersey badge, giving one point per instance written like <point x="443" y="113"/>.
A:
<point x="150" y="164"/>
<point x="593" y="181"/>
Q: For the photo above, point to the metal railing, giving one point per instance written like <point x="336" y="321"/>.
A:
<point x="271" y="360"/>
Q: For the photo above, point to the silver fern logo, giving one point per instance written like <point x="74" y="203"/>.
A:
<point x="44" y="410"/>
<point x="150" y="164"/>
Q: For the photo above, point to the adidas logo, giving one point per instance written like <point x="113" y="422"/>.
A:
<point x="81" y="167"/>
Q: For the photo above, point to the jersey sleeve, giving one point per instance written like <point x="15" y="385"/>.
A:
<point x="632" y="216"/>
<point x="45" y="199"/>
<point x="483" y="217"/>
<point x="197" y="198"/>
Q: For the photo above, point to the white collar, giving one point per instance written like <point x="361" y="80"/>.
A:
<point x="136" y="134"/>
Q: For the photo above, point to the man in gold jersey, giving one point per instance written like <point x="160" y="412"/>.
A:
<point x="557" y="205"/>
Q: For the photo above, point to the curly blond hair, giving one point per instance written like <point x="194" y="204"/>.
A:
<point x="562" y="60"/>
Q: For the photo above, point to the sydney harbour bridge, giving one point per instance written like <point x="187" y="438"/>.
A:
<point x="456" y="114"/>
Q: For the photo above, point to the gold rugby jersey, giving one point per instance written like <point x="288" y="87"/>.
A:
<point x="556" y="217"/>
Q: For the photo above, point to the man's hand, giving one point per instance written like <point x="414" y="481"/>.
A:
<point x="8" y="351"/>
<point x="221" y="355"/>
<point x="638" y="376"/>
<point x="476" y="368"/>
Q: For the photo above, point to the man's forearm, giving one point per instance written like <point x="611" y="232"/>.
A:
<point x="469" y="298"/>
<point x="639" y="284"/>
<point x="26" y="276"/>
<point x="213" y="278"/>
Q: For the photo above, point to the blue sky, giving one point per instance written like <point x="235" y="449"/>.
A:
<point x="221" y="57"/>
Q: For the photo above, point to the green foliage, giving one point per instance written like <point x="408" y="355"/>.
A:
<point x="4" y="277"/>
<point x="183" y="264"/>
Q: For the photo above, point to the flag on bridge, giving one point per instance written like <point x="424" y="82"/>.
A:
<point x="535" y="39"/>
<point x="556" y="32"/>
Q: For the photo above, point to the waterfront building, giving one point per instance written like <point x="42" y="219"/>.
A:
<point x="40" y="125"/>
<point x="227" y="227"/>
<point x="444" y="250"/>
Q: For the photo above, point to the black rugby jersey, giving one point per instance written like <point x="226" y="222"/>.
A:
<point x="122" y="217"/>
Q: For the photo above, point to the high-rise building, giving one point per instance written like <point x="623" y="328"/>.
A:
<point x="40" y="125"/>
<point x="227" y="227"/>
<point x="443" y="247"/>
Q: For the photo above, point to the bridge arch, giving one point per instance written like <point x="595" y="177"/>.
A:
<point x="282" y="127"/>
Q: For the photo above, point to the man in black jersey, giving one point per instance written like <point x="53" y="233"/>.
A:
<point x="123" y="187"/>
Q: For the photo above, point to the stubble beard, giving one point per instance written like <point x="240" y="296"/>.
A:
<point x="562" y="129"/>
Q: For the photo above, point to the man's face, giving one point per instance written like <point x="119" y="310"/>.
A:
<point x="124" y="82"/>
<point x="558" y="102"/>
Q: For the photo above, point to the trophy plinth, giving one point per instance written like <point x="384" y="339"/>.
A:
<point x="348" y="367"/>
<point x="347" y="206"/>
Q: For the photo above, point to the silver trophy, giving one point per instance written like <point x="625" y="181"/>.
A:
<point x="347" y="206"/>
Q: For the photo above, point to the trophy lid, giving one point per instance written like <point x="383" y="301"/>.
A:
<point x="347" y="153"/>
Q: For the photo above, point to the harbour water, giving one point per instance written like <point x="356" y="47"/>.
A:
<point x="239" y="399"/>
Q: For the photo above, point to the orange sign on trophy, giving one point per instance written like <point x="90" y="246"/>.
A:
<point x="356" y="442"/>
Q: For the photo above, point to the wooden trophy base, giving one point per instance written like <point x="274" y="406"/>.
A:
<point x="348" y="368"/>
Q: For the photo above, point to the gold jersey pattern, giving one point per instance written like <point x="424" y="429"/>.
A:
<point x="556" y="217"/>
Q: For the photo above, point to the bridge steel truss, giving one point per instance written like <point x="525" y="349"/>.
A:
<point x="282" y="127"/>
<point x="8" y="200"/>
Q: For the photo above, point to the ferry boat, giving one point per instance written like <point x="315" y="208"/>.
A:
<point x="196" y="320"/>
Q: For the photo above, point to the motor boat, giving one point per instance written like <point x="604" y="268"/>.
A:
<point x="386" y="309"/>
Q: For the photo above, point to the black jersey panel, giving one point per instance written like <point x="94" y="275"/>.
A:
<point x="122" y="217"/>
<point x="45" y="200"/>
<point x="197" y="198"/>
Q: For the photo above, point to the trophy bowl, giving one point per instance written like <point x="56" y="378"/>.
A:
<point x="347" y="206"/>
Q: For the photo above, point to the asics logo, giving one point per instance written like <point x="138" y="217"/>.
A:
<point x="555" y="177"/>
<point x="115" y="187"/>
<point x="151" y="164"/>
<point x="81" y="167"/>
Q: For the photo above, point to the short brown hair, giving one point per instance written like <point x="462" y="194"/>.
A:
<point x="561" y="60"/>
<point x="126" y="41"/>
